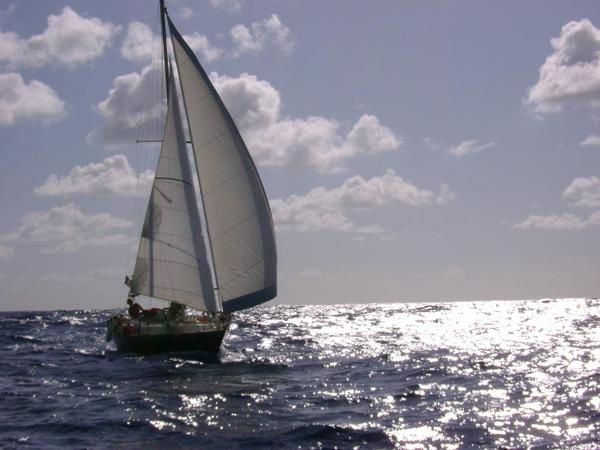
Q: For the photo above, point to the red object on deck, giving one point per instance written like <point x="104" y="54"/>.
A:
<point x="129" y="329"/>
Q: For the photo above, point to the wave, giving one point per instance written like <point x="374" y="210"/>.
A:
<point x="497" y="374"/>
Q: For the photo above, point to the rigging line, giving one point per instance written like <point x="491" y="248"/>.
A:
<point x="141" y="153"/>
<point x="162" y="194"/>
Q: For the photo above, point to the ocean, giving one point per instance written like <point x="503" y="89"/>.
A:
<point x="493" y="374"/>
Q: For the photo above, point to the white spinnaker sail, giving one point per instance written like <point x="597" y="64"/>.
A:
<point x="239" y="222"/>
<point x="172" y="262"/>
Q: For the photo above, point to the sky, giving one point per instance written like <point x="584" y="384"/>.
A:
<point x="411" y="151"/>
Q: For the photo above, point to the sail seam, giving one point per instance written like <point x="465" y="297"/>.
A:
<point x="229" y="230"/>
<point x="211" y="140"/>
<point x="174" y="179"/>
<point x="201" y="99"/>
<point x="172" y="208"/>
<point x="162" y="233"/>
<point x="171" y="262"/>
<point x="177" y="236"/>
<point x="235" y="175"/>
<point x="238" y="275"/>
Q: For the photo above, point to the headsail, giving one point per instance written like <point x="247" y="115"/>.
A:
<point x="239" y="222"/>
<point x="172" y="262"/>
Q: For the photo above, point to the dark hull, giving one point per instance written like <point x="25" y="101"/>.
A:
<point x="204" y="341"/>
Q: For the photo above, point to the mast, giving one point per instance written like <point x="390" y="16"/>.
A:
<point x="166" y="65"/>
<point x="163" y="12"/>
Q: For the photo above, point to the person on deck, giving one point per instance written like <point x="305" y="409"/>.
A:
<point x="135" y="310"/>
<point x="176" y="311"/>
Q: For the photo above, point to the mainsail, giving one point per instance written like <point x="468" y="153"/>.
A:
<point x="238" y="217"/>
<point x="172" y="262"/>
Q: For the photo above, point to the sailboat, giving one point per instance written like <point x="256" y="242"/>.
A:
<point x="209" y="249"/>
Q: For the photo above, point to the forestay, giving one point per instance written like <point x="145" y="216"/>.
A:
<point x="239" y="222"/>
<point x="172" y="262"/>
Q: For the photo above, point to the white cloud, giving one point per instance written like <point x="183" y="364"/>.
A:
<point x="327" y="209"/>
<point x="368" y="136"/>
<point x="584" y="192"/>
<point x="594" y="219"/>
<point x="65" y="229"/>
<point x="564" y="222"/>
<point x="112" y="176"/>
<point x="273" y="139"/>
<point x="132" y="105"/>
<point x="432" y="145"/>
<point x="202" y="46"/>
<point x="230" y="6"/>
<point x="186" y="13"/>
<point x="253" y="39"/>
<point x="28" y="101"/>
<point x="591" y="141"/>
<point x="469" y="147"/>
<point x="445" y="196"/>
<point x="571" y="74"/>
<point x="69" y="40"/>
<point x="315" y="142"/>
<point x="6" y="252"/>
<point x="140" y="44"/>
<point x="552" y="222"/>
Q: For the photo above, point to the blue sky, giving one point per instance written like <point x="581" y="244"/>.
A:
<point x="412" y="151"/>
